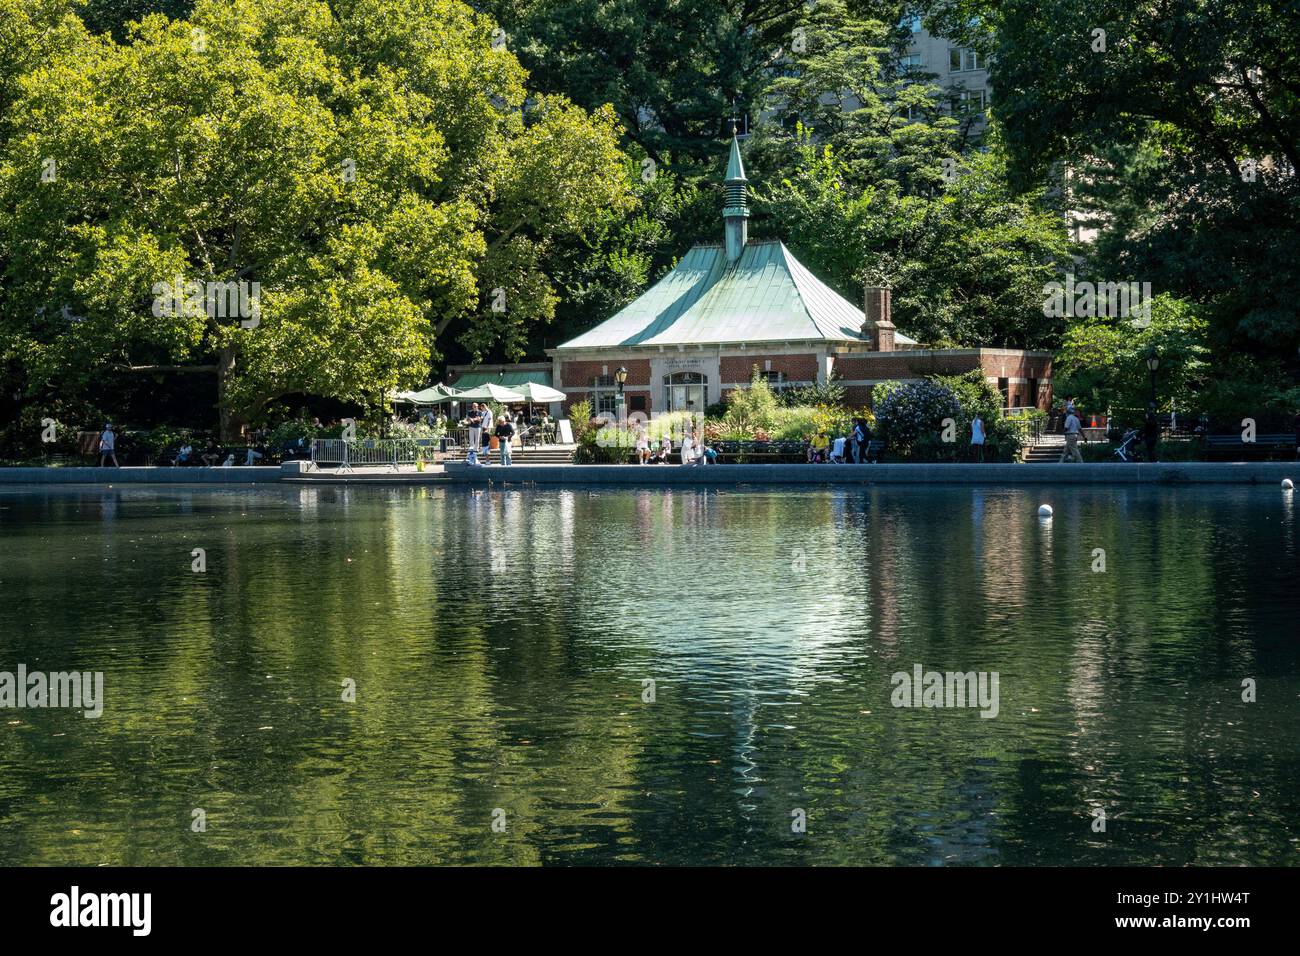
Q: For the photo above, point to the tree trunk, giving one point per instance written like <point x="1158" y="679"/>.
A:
<point x="232" y="420"/>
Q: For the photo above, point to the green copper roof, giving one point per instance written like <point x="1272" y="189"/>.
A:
<point x="765" y="296"/>
<point x="735" y="168"/>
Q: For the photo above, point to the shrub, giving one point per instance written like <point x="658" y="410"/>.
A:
<point x="830" y="392"/>
<point x="908" y="411"/>
<point x="752" y="408"/>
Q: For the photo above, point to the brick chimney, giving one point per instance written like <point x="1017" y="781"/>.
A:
<point x="878" y="326"/>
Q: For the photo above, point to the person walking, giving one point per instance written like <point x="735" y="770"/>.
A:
<point x="108" y="445"/>
<point x="505" y="435"/>
<point x="1073" y="430"/>
<point x="977" y="438"/>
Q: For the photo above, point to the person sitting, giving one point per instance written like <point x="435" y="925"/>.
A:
<point x="211" y="453"/>
<point x="253" y="455"/>
<point x="818" y="448"/>
<point x="184" y="456"/>
<point x="664" y="453"/>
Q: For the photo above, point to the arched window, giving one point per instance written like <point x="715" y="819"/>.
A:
<point x="686" y="391"/>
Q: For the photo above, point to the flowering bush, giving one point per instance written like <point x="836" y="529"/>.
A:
<point x="907" y="412"/>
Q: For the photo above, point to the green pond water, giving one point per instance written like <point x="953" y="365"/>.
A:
<point x="501" y="643"/>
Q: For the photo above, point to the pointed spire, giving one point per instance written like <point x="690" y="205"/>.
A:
<point x="735" y="168"/>
<point x="735" y="215"/>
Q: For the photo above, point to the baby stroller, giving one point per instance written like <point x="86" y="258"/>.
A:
<point x="1127" y="450"/>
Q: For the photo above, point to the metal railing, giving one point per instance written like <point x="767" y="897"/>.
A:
<point x="371" y="452"/>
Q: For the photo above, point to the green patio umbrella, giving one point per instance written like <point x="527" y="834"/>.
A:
<point x="433" y="395"/>
<point x="489" y="393"/>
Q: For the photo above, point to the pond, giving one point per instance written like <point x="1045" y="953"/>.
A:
<point x="334" y="675"/>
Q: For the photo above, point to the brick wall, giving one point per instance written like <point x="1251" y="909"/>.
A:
<point x="580" y="374"/>
<point x="900" y="365"/>
<point x="797" y="368"/>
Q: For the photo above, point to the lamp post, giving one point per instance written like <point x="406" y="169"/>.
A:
<point x="1153" y="363"/>
<point x="621" y="377"/>
<point x="1153" y="423"/>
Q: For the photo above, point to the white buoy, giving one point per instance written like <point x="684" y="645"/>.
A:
<point x="1044" y="511"/>
<point x="1287" y="484"/>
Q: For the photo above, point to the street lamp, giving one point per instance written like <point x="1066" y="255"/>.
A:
<point x="1153" y="363"/>
<point x="621" y="377"/>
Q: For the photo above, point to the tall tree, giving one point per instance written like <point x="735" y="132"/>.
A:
<point x="374" y="165"/>
<point x="1180" y="123"/>
<point x="877" y="181"/>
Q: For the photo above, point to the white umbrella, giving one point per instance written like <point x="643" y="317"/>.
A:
<point x="490" y="392"/>
<point x="534" y="392"/>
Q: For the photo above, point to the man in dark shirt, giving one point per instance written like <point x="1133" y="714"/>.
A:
<point x="505" y="434"/>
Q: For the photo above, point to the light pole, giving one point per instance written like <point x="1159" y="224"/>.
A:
<point x="1153" y="363"/>
<point x="1152" y="423"/>
<point x="621" y="377"/>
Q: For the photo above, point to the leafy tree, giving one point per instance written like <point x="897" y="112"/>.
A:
<point x="967" y="264"/>
<point x="1102" y="361"/>
<point x="1180" y="128"/>
<point x="375" y="165"/>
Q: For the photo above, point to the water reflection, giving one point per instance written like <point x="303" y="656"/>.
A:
<point x="499" y="639"/>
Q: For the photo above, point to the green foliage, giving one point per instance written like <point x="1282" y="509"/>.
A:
<point x="830" y="392"/>
<point x="1181" y="140"/>
<point x="912" y="412"/>
<point x="580" y="419"/>
<point x="1102" y="361"/>
<point x="967" y="264"/>
<point x="753" y="408"/>
<point x="227" y="154"/>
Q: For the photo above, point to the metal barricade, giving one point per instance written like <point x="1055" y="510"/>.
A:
<point x="329" y="451"/>
<point x="371" y="452"/>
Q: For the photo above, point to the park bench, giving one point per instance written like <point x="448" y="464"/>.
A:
<point x="761" y="452"/>
<point x="1263" y="448"/>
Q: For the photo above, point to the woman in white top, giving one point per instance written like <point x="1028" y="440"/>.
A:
<point x="688" y="449"/>
<point x="642" y="444"/>
<point x="977" y="437"/>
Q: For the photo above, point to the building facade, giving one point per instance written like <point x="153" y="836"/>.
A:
<point x="739" y="306"/>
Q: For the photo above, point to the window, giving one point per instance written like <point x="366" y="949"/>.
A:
<point x="1004" y="388"/>
<point x="775" y="380"/>
<point x="961" y="59"/>
<point x="969" y="102"/>
<point x="910" y="63"/>
<point x="636" y="403"/>
<point x="604" y="395"/>
<point x="686" y="391"/>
